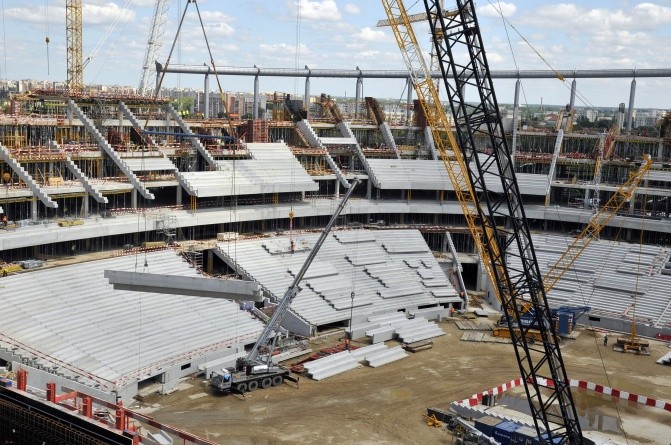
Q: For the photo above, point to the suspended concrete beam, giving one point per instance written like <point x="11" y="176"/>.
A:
<point x="180" y="285"/>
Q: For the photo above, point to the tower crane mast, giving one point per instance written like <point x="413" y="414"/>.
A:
<point x="154" y="45"/>
<point x="464" y="67"/>
<point x="73" y="33"/>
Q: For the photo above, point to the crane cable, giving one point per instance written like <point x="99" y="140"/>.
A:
<point x="557" y="74"/>
<point x="46" y="24"/>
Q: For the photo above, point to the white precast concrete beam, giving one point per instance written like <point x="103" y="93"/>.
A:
<point x="182" y="285"/>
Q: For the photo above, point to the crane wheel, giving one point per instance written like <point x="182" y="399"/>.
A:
<point x="266" y="382"/>
<point x="277" y="380"/>
<point x="242" y="387"/>
<point x="253" y="385"/>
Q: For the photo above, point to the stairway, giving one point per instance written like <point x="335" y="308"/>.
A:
<point x="195" y="142"/>
<point x="304" y="128"/>
<point x="25" y="177"/>
<point x="109" y="150"/>
<point x="389" y="138"/>
<point x="346" y="132"/>
<point x="134" y="122"/>
<point x="90" y="188"/>
<point x="428" y="137"/>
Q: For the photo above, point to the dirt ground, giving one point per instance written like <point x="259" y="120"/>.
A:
<point x="385" y="405"/>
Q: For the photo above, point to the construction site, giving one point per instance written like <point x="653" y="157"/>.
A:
<point x="328" y="274"/>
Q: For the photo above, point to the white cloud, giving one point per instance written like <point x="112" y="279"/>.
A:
<point x="282" y="48"/>
<point x="369" y="34"/>
<point x="642" y="17"/>
<point x="351" y="8"/>
<point x="104" y="14"/>
<point x="317" y="10"/>
<point x="493" y="9"/>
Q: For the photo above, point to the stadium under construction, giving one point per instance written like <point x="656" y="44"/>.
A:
<point x="101" y="183"/>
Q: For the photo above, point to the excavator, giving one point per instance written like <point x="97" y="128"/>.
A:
<point x="257" y="368"/>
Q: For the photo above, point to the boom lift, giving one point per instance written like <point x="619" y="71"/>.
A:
<point x="258" y="369"/>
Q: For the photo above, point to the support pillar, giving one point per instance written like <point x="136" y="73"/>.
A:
<point x="369" y="188"/>
<point x="573" y="89"/>
<point x="306" y="98"/>
<point x="516" y="110"/>
<point x="630" y="111"/>
<point x="33" y="209"/>
<point x="210" y="261"/>
<point x="255" y="111"/>
<point x="133" y="199"/>
<point x="178" y="195"/>
<point x="337" y="188"/>
<point x="408" y="101"/>
<point x="359" y="88"/>
<point x="86" y="206"/>
<point x="206" y="96"/>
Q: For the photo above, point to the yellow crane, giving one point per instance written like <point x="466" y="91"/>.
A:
<point x="73" y="33"/>
<point x="455" y="165"/>
<point x="441" y="129"/>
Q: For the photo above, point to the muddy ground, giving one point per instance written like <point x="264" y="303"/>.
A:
<point x="385" y="405"/>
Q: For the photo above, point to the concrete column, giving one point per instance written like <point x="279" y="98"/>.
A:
<point x="255" y="111"/>
<point x="33" y="209"/>
<point x="210" y="261"/>
<point x="86" y="206"/>
<point x="408" y="101"/>
<point x="359" y="88"/>
<point x="660" y="151"/>
<point x="572" y="100"/>
<point x="178" y="195"/>
<point x="369" y="188"/>
<point x="337" y="188"/>
<point x="306" y="98"/>
<point x="206" y="96"/>
<point x="630" y="111"/>
<point x="133" y="199"/>
<point x="516" y="111"/>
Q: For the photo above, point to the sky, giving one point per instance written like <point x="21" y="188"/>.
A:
<point x="342" y="34"/>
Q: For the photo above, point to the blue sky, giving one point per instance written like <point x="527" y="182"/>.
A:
<point x="342" y="34"/>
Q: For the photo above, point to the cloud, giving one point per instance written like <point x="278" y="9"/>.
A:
<point x="282" y="52"/>
<point x="316" y="10"/>
<point x="642" y="17"/>
<point x="351" y="8"/>
<point x="104" y="14"/>
<point x="492" y="10"/>
<point x="369" y="34"/>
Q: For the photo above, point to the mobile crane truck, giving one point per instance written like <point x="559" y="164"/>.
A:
<point x="258" y="369"/>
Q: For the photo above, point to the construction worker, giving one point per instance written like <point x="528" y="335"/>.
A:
<point x="605" y="340"/>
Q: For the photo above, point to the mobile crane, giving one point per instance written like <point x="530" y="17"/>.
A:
<point x="258" y="369"/>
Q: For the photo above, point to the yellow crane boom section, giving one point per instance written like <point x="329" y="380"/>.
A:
<point x="441" y="130"/>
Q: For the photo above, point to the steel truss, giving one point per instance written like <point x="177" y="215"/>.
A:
<point x="464" y="68"/>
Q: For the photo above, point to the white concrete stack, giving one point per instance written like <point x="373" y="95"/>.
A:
<point x="331" y="365"/>
<point x="385" y="356"/>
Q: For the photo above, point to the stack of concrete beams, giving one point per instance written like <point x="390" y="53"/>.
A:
<point x="665" y="360"/>
<point x="416" y="329"/>
<point x="381" y="328"/>
<point x="373" y="355"/>
<point x="385" y="356"/>
<point x="331" y="365"/>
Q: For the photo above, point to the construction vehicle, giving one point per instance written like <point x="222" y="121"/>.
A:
<point x="257" y="369"/>
<point x="564" y="319"/>
<point x="499" y="216"/>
